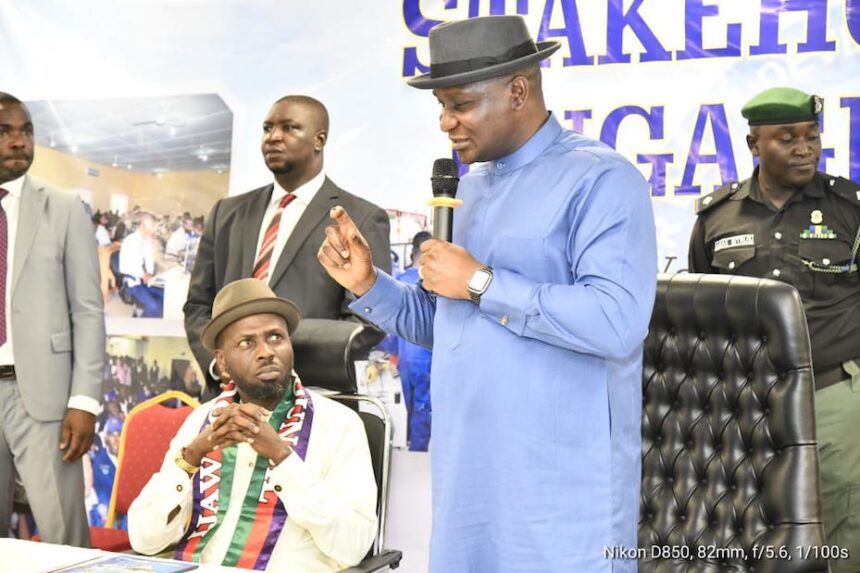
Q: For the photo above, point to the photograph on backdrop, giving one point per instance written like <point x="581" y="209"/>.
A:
<point x="137" y="368"/>
<point x="149" y="170"/>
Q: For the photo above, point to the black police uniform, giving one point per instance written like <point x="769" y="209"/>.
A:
<point x="811" y="243"/>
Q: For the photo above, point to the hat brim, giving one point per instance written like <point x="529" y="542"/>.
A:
<point x="426" y="81"/>
<point x="284" y="308"/>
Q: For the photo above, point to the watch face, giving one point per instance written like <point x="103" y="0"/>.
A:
<point x="479" y="281"/>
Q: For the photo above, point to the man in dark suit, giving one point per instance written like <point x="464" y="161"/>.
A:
<point x="52" y="338"/>
<point x="273" y="233"/>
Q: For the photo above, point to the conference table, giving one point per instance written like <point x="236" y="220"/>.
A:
<point x="19" y="556"/>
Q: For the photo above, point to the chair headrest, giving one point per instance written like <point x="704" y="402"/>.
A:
<point x="326" y="351"/>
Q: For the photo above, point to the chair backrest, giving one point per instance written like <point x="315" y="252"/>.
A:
<point x="729" y="457"/>
<point x="326" y="351"/>
<point x="144" y="441"/>
<point x="114" y="264"/>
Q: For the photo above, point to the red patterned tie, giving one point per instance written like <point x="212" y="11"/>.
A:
<point x="4" y="246"/>
<point x="264" y="257"/>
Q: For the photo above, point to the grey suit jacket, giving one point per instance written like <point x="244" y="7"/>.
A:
<point x="57" y="314"/>
<point x="228" y="249"/>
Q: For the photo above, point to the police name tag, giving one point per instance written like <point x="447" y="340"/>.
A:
<point x="736" y="241"/>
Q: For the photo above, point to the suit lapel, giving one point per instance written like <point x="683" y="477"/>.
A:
<point x="316" y="211"/>
<point x="252" y="220"/>
<point x="32" y="203"/>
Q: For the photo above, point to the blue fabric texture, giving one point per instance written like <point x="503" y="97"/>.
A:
<point x="151" y="298"/>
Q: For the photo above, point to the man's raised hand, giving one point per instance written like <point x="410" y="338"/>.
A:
<point x="345" y="254"/>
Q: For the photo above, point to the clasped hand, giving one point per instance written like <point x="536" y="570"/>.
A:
<point x="234" y="424"/>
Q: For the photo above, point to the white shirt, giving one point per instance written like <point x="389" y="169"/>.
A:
<point x="11" y="204"/>
<point x="176" y="243"/>
<point x="330" y="496"/>
<point x="289" y="217"/>
<point x="102" y="236"/>
<point x="136" y="257"/>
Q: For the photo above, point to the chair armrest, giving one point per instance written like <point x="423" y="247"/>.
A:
<point x="388" y="558"/>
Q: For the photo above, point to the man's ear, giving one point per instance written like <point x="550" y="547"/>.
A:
<point x="320" y="140"/>
<point x="752" y="144"/>
<point x="219" y="360"/>
<point x="519" y="92"/>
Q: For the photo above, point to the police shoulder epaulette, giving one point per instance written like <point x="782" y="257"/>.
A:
<point x="845" y="188"/>
<point x="717" y="197"/>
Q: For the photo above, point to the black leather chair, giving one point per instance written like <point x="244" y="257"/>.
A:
<point x="729" y="457"/>
<point x="325" y="352"/>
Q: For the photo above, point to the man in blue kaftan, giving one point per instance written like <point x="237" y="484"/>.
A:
<point x="536" y="313"/>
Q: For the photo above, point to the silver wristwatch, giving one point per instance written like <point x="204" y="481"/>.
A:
<point x="479" y="283"/>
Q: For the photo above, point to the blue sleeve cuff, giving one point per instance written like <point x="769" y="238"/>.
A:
<point x="379" y="303"/>
<point x="507" y="299"/>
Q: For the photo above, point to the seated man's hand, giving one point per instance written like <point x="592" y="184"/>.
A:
<point x="235" y="424"/>
<point x="268" y="444"/>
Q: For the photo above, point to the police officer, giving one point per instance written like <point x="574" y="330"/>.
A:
<point x="795" y="224"/>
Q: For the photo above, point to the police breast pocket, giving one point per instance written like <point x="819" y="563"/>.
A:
<point x="730" y="261"/>
<point x="827" y="262"/>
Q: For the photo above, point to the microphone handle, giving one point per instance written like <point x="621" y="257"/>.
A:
<point x="443" y="223"/>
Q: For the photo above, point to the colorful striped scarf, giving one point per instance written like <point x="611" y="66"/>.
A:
<point x="263" y="514"/>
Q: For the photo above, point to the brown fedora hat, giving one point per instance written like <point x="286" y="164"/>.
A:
<point x="242" y="298"/>
<point x="478" y="49"/>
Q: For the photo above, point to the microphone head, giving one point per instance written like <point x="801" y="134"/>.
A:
<point x="445" y="177"/>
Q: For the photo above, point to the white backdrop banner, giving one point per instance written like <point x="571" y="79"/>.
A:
<point x="663" y="81"/>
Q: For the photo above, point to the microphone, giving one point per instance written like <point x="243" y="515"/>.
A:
<point x="444" y="184"/>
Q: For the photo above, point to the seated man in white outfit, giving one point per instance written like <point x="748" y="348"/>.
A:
<point x="268" y="475"/>
<point x="137" y="263"/>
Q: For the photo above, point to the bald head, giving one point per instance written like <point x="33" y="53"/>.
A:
<point x="9" y="98"/>
<point x="315" y="108"/>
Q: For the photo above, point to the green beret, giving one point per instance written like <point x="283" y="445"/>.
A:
<point x="782" y="105"/>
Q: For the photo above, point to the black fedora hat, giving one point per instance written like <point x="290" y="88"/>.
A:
<point x="478" y="49"/>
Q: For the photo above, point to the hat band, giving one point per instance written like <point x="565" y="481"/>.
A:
<point x="472" y="64"/>
<point x="783" y="120"/>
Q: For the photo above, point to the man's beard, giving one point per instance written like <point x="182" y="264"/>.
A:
<point x="15" y="173"/>
<point x="282" y="169"/>
<point x="265" y="392"/>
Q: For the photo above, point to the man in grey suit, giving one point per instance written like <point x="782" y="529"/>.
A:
<point x="273" y="233"/>
<point x="52" y="339"/>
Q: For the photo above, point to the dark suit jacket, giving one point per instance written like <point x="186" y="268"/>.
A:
<point x="228" y="249"/>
